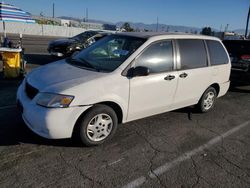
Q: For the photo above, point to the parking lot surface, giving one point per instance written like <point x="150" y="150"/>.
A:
<point x="175" y="149"/>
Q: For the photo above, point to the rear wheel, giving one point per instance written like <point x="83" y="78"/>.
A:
<point x="98" y="125"/>
<point x="207" y="100"/>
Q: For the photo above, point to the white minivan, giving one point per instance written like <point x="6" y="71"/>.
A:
<point x="120" y="78"/>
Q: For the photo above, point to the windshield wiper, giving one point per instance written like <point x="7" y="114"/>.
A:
<point x="87" y="63"/>
<point x="82" y="63"/>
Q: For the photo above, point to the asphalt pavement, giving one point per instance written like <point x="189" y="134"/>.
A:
<point x="182" y="148"/>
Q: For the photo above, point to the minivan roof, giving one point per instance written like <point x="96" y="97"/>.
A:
<point x="147" y="35"/>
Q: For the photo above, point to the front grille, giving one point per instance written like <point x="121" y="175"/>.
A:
<point x="30" y="90"/>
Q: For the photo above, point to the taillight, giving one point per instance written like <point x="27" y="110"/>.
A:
<point x="245" y="57"/>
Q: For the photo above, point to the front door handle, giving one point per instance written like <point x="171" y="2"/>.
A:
<point x="183" y="75"/>
<point x="169" y="77"/>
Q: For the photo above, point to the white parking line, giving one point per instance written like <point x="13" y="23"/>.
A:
<point x="7" y="107"/>
<point x="168" y="165"/>
<point x="115" y="162"/>
<point x="112" y="163"/>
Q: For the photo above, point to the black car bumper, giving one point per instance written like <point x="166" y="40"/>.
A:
<point x="55" y="52"/>
<point x="241" y="66"/>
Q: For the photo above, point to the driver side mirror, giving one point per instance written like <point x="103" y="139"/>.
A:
<point x="138" y="71"/>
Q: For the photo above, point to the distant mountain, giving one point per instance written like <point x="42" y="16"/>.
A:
<point x="151" y="27"/>
<point x="141" y="26"/>
<point x="161" y="27"/>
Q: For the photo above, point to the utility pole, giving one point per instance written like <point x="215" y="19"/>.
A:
<point x="53" y="10"/>
<point x="220" y="27"/>
<point x="246" y="32"/>
<point x="226" y="28"/>
<point x="87" y="14"/>
<point x="157" y="24"/>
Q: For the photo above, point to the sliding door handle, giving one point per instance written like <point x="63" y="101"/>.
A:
<point x="169" y="77"/>
<point x="183" y="75"/>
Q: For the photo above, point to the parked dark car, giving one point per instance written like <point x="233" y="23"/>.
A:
<point x="66" y="47"/>
<point x="239" y="51"/>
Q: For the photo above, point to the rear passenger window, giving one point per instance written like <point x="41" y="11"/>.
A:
<point x="158" y="57"/>
<point x="193" y="53"/>
<point x="217" y="53"/>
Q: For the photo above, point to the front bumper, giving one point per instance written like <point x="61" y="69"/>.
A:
<point x="52" y="123"/>
<point x="55" y="53"/>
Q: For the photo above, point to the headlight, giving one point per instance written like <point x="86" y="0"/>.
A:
<point x="51" y="100"/>
<point x="70" y="49"/>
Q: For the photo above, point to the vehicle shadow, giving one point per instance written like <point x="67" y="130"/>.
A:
<point x="15" y="132"/>
<point x="190" y="110"/>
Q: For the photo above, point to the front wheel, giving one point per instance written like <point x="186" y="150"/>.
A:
<point x="98" y="125"/>
<point x="207" y="100"/>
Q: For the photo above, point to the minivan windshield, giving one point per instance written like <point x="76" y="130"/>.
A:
<point x="108" y="53"/>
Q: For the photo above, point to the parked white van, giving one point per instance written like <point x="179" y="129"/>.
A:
<point x="120" y="78"/>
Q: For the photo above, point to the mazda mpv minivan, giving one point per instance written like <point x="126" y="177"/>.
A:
<point x="121" y="78"/>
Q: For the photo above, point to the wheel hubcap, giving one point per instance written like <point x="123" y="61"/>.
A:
<point x="209" y="100"/>
<point x="99" y="127"/>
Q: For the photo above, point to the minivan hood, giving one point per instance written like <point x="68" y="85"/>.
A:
<point x="60" y="76"/>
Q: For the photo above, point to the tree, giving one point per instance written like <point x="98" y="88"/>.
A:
<point x="207" y="31"/>
<point x="127" y="27"/>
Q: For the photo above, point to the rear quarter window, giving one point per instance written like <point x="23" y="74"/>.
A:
<point x="217" y="53"/>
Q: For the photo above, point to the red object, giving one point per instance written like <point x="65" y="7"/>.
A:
<point x="245" y="57"/>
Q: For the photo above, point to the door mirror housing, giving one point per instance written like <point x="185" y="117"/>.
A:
<point x="138" y="71"/>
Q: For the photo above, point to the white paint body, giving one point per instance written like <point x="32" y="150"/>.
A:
<point x="138" y="97"/>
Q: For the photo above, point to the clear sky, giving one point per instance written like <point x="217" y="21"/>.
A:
<point x="197" y="13"/>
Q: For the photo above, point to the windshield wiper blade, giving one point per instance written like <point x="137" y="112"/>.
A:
<point x="83" y="63"/>
<point x="87" y="63"/>
<point x="74" y="61"/>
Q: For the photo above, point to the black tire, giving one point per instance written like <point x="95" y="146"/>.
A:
<point x="82" y="130"/>
<point x="202" y="105"/>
